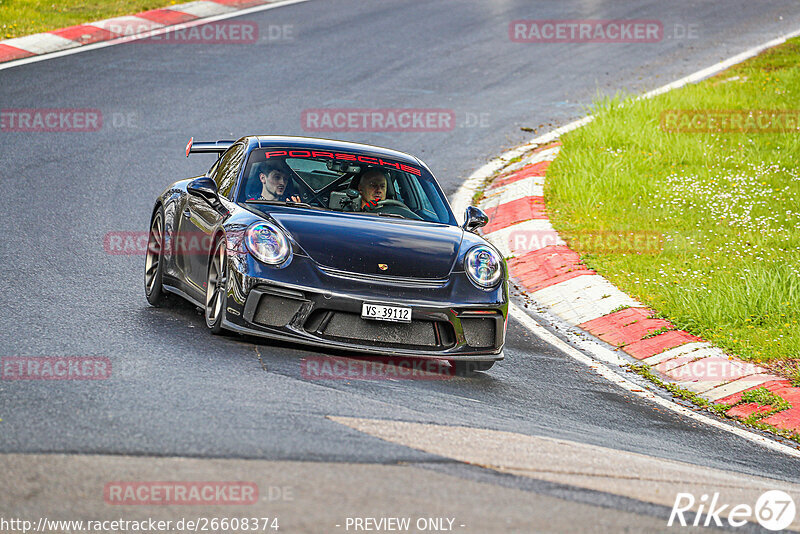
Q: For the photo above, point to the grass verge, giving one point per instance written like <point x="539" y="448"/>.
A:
<point x="25" y="17"/>
<point x="725" y="203"/>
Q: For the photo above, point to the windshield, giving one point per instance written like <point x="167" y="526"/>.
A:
<point x="353" y="183"/>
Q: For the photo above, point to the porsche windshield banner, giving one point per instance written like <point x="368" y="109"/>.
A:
<point x="313" y="154"/>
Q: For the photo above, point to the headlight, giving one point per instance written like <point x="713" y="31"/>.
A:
<point x="267" y="243"/>
<point x="484" y="266"/>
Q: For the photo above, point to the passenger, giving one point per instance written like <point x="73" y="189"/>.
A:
<point x="274" y="177"/>
<point x="372" y="187"/>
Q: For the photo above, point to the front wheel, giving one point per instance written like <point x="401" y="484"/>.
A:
<point x="216" y="288"/>
<point x="468" y="368"/>
<point x="154" y="261"/>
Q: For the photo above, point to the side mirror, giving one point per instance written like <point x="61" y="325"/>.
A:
<point x="474" y="218"/>
<point x="205" y="188"/>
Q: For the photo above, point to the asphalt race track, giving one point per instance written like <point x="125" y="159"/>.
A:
<point x="182" y="403"/>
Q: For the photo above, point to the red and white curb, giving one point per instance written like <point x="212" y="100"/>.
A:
<point x="554" y="278"/>
<point x="145" y="24"/>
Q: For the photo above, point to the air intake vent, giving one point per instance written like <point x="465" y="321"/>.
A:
<point x="273" y="310"/>
<point x="479" y="332"/>
<point x="352" y="326"/>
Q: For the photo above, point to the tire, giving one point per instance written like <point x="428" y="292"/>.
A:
<point x="154" y="261"/>
<point x="469" y="368"/>
<point x="216" y="288"/>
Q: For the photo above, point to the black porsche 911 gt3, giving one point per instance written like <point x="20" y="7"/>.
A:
<point x="332" y="244"/>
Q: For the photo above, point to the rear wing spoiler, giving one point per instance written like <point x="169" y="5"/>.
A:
<point x="207" y="147"/>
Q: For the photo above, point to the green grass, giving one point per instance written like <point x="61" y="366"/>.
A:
<point x="764" y="397"/>
<point x="727" y="205"/>
<point x="677" y="391"/>
<point x="760" y="396"/>
<point x="24" y="17"/>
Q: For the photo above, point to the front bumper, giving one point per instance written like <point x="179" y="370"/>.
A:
<point x="450" y="319"/>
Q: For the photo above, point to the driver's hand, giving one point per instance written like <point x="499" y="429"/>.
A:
<point x="295" y="198"/>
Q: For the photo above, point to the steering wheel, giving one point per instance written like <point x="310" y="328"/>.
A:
<point x="390" y="202"/>
<point x="405" y="211"/>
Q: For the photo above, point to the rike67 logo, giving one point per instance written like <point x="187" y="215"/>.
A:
<point x="774" y="510"/>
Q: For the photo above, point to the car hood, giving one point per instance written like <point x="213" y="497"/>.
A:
<point x="362" y="243"/>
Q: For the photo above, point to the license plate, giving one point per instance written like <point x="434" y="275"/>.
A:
<point x="377" y="312"/>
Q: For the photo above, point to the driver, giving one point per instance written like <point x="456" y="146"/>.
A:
<point x="372" y="187"/>
<point x="274" y="177"/>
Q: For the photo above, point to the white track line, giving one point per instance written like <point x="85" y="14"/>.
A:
<point x="159" y="31"/>
<point x="463" y="197"/>
<point x="636" y="389"/>
<point x="719" y="67"/>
